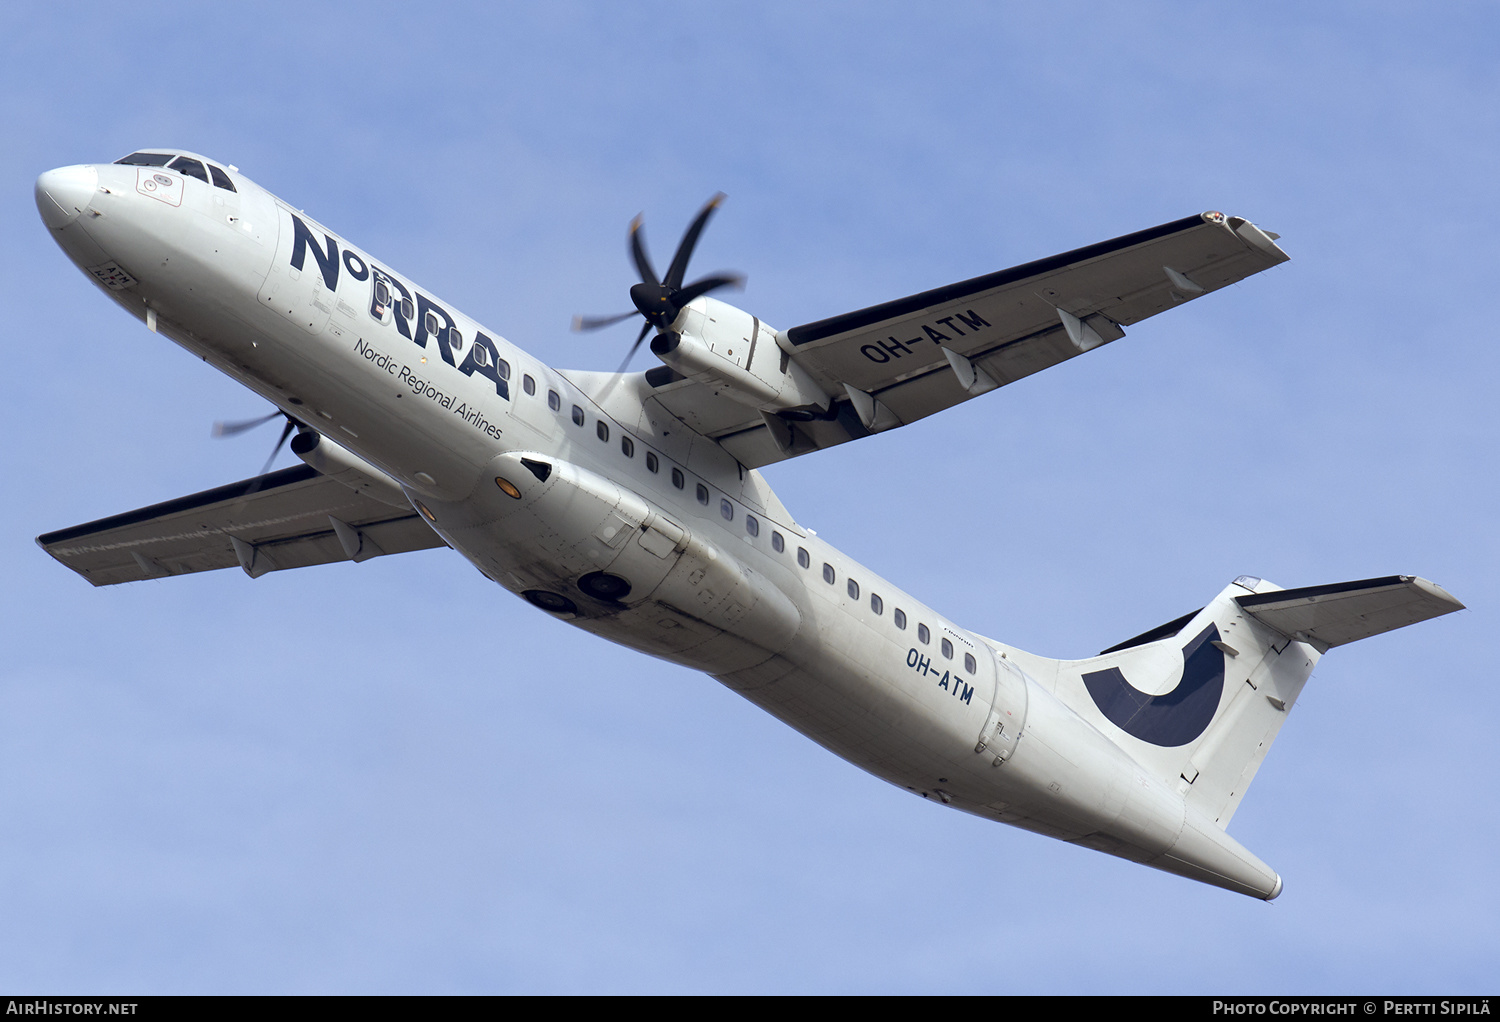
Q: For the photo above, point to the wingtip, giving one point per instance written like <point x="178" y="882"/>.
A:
<point x="1438" y="592"/>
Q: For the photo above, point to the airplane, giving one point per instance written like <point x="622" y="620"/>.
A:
<point x="631" y="504"/>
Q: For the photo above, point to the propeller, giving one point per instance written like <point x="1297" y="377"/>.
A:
<point x="661" y="299"/>
<point x="224" y="429"/>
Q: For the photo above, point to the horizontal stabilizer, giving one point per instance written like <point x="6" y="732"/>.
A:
<point x="290" y="518"/>
<point x="1331" y="615"/>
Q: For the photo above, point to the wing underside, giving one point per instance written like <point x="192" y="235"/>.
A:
<point x="892" y="364"/>
<point x="291" y="518"/>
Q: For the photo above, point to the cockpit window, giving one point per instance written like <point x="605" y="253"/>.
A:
<point x="190" y="168"/>
<point x="146" y="159"/>
<point x="183" y="165"/>
<point x="221" y="179"/>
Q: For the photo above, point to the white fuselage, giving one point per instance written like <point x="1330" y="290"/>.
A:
<point x="720" y="577"/>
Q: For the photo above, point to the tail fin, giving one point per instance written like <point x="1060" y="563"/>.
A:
<point x="1199" y="700"/>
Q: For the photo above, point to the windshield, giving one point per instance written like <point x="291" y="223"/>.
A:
<point x="190" y="168"/>
<point x="146" y="159"/>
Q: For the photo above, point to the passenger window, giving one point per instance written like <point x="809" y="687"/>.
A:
<point x="504" y="368"/>
<point x="752" y="525"/>
<point x="601" y="430"/>
<point x="828" y="573"/>
<point x="553" y="401"/>
<point x="702" y="494"/>
<point x="481" y="353"/>
<point x="947" y="649"/>
<point x="899" y="616"/>
<point x="877" y="604"/>
<point x="189" y="168"/>
<point x="221" y="179"/>
<point x="456" y="341"/>
<point x="651" y="463"/>
<point x="627" y="447"/>
<point x="430" y="323"/>
<point x="726" y="510"/>
<point x="528" y="384"/>
<point x="802" y="557"/>
<point x="969" y="663"/>
<point x="677" y="478"/>
<point x="577" y="416"/>
<point x="923" y="635"/>
<point x="853" y="589"/>
<point x="778" y="542"/>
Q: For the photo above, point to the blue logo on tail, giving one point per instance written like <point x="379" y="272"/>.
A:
<point x="1172" y="718"/>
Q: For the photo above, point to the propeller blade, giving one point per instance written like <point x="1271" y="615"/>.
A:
<point x="638" y="253"/>
<point x="661" y="301"/>
<point x="583" y="324"/>
<point x="291" y="424"/>
<point x="223" y="429"/>
<point x="678" y="269"/>
<point x="704" y="286"/>
<point x="645" y="329"/>
<point x="260" y="478"/>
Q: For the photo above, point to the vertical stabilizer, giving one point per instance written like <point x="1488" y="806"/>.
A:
<point x="1199" y="700"/>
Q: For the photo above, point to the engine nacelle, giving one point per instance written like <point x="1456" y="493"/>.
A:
<point x="340" y="463"/>
<point x="737" y="356"/>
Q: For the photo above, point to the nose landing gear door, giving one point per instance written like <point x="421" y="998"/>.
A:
<point x="1002" y="729"/>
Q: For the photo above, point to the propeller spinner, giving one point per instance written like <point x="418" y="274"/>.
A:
<point x="661" y="300"/>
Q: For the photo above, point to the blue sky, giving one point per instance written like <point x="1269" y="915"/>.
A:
<point x="394" y="777"/>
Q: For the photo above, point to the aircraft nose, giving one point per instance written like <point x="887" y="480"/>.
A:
<point x="64" y="193"/>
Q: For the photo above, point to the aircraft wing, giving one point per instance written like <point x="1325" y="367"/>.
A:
<point x="901" y="361"/>
<point x="290" y="518"/>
